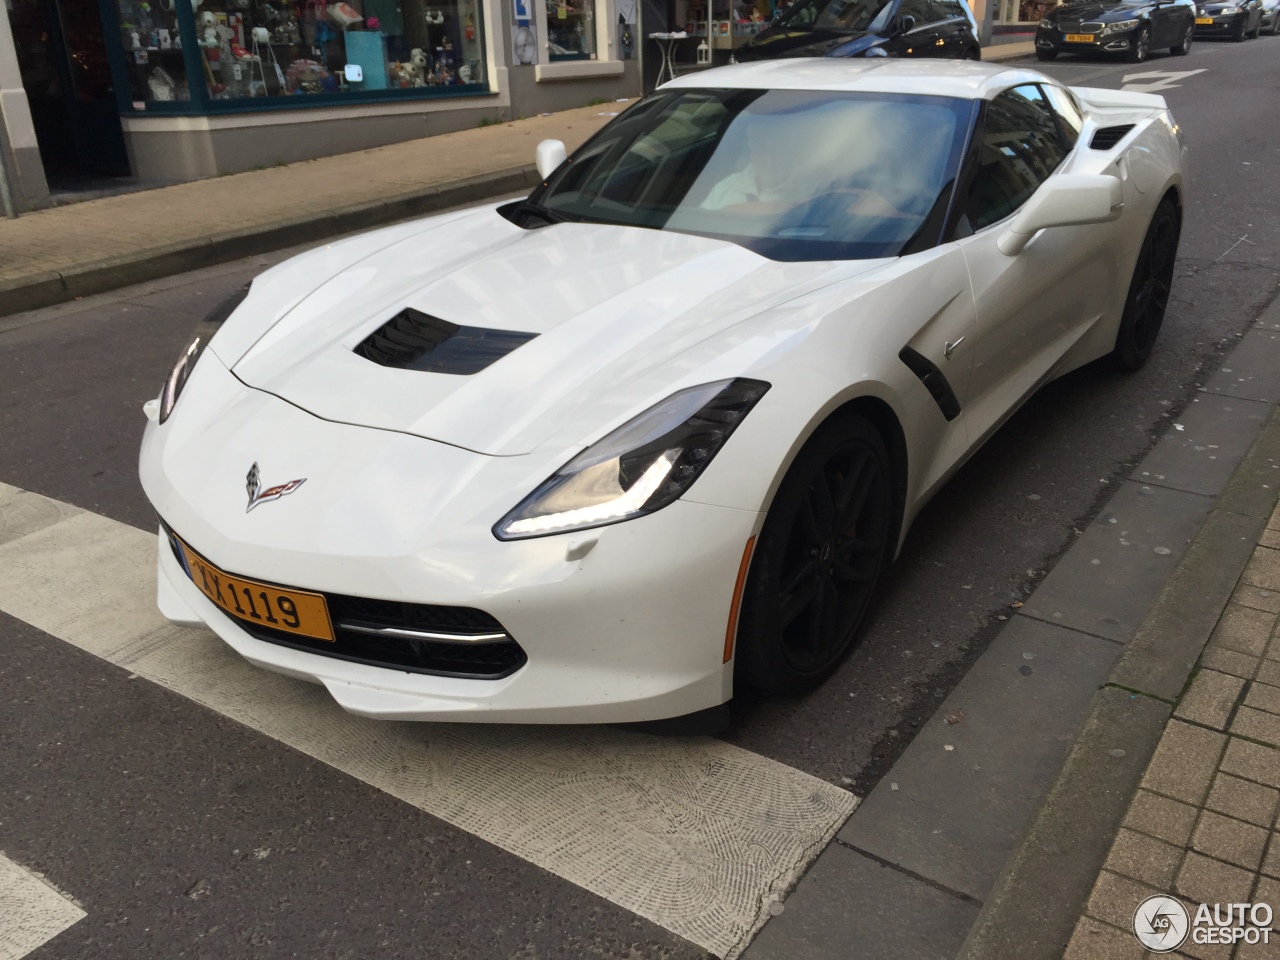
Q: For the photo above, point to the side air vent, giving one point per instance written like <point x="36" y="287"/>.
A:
<point x="1104" y="138"/>
<point x="413" y="340"/>
<point x="934" y="381"/>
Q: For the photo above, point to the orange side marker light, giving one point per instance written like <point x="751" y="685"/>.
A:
<point x="737" y="600"/>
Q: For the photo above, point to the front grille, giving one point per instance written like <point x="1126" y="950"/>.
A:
<point x="413" y="340"/>
<point x="1104" y="138"/>
<point x="1075" y="26"/>
<point x="476" y="661"/>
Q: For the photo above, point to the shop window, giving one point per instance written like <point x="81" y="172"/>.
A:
<point x="153" y="59"/>
<point x="247" y="50"/>
<point x="571" y="29"/>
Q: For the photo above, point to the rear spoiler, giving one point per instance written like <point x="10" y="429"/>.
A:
<point x="1128" y="102"/>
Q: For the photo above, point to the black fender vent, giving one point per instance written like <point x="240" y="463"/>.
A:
<point x="1104" y="138"/>
<point x="934" y="381"/>
<point x="413" y="340"/>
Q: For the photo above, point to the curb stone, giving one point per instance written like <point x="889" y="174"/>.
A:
<point x="112" y="273"/>
<point x="1042" y="890"/>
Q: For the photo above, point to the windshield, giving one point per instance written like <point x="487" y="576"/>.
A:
<point x="838" y="16"/>
<point x="790" y="174"/>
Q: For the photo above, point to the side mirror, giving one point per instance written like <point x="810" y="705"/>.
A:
<point x="548" y="156"/>
<point x="906" y="23"/>
<point x="1063" y="201"/>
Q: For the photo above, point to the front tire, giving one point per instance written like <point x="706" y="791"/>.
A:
<point x="825" y="543"/>
<point x="1275" y="25"/>
<point x="1182" y="49"/>
<point x="1047" y="54"/>
<point x="1141" y="47"/>
<point x="1148" y="296"/>
<point x="1237" y="35"/>
<point x="1257" y="31"/>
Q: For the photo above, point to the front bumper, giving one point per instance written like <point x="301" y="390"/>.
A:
<point x="1099" y="43"/>
<point x="1222" y="26"/>
<point x="621" y="623"/>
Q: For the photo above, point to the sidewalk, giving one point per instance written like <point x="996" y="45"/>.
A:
<point x="1201" y="825"/>
<point x="50" y="256"/>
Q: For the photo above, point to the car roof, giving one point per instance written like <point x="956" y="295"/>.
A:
<point x="965" y="79"/>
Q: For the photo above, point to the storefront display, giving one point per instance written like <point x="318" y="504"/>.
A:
<point x="571" y="29"/>
<point x="247" y="50"/>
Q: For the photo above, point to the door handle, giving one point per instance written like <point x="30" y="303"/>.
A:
<point x="950" y="347"/>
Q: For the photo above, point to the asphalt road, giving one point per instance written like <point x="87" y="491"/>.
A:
<point x="153" y="811"/>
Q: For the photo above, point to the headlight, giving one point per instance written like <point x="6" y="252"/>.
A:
<point x="641" y="467"/>
<point x="1120" y="26"/>
<point x="1047" y="24"/>
<point x="205" y="330"/>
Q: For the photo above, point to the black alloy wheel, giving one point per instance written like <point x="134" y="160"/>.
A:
<point x="825" y="542"/>
<point x="1047" y="54"/>
<point x="1237" y="33"/>
<point x="1149" y="290"/>
<point x="1182" y="49"/>
<point x="1141" y="46"/>
<point x="1275" y="24"/>
<point x="1257" y="31"/>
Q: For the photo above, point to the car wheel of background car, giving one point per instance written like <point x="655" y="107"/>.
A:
<point x="1182" y="49"/>
<point x="1149" y="290"/>
<point x="1141" y="46"/>
<point x="1275" y="24"/>
<point x="1257" y="31"/>
<point x="1047" y="54"/>
<point x="973" y="53"/>
<point x="1237" y="35"/>
<point x="825" y="542"/>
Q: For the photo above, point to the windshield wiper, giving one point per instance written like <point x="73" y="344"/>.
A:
<point x="533" y="208"/>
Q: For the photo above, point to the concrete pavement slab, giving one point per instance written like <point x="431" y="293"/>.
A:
<point x="1107" y="580"/>
<point x="1205" y="446"/>
<point x="950" y="809"/>
<point x="895" y="916"/>
<point x="1058" y="857"/>
<point x="1252" y="371"/>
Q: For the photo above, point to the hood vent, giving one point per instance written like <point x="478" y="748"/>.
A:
<point x="413" y="340"/>
<point x="1107" y="137"/>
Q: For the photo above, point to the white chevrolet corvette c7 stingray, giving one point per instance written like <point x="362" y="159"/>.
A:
<point x="654" y="432"/>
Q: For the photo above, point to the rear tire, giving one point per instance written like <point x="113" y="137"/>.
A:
<point x="1148" y="296"/>
<point x="826" y="541"/>
<point x="1047" y="54"/>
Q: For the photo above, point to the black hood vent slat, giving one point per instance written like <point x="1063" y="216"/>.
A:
<point x="1104" y="138"/>
<point x="413" y="340"/>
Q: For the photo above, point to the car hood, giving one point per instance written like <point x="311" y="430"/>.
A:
<point x="780" y="42"/>
<point x="610" y="307"/>
<point x="1097" y="12"/>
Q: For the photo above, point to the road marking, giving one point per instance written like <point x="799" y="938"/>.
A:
<point x="1157" y="79"/>
<point x="691" y="833"/>
<point x="31" y="912"/>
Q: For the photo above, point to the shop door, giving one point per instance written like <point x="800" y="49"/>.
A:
<point x="65" y="72"/>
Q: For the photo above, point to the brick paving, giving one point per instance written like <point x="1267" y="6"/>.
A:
<point x="149" y="222"/>
<point x="1203" y="824"/>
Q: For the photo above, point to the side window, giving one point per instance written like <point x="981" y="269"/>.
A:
<point x="917" y="9"/>
<point x="1020" y="148"/>
<point x="1068" y="113"/>
<point x="949" y="9"/>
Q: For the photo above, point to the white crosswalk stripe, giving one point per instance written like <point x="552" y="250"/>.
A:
<point x="31" y="911"/>
<point x="691" y="833"/>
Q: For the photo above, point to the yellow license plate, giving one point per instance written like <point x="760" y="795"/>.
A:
<point x="1079" y="38"/>
<point x="290" y="611"/>
<point x="1206" y="21"/>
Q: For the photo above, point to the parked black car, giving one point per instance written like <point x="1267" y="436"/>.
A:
<point x="1236" y="21"/>
<point x="1126" y="28"/>
<point x="868" y="28"/>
